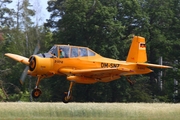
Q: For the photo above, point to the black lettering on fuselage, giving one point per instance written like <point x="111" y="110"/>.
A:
<point x="104" y="65"/>
<point x="58" y="61"/>
<point x="112" y="65"/>
<point x="109" y="65"/>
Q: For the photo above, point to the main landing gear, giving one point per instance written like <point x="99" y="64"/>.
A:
<point x="37" y="92"/>
<point x="68" y="95"/>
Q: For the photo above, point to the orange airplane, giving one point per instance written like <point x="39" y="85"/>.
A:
<point x="83" y="65"/>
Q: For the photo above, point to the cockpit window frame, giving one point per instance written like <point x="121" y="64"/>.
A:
<point x="74" y="52"/>
<point x="91" y="53"/>
<point x="78" y="51"/>
<point x="65" y="49"/>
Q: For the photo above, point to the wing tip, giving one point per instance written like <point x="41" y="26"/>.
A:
<point x="7" y="54"/>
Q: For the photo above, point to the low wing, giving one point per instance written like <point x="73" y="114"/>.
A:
<point x="95" y="73"/>
<point x="18" y="58"/>
<point x="153" y="65"/>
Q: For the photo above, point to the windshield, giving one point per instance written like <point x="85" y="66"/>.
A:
<point x="54" y="51"/>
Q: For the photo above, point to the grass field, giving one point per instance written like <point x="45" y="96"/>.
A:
<point x="89" y="111"/>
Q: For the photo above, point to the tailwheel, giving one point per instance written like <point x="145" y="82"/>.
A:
<point x="66" y="98"/>
<point x="36" y="93"/>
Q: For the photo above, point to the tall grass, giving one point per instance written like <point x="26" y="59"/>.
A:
<point x="89" y="111"/>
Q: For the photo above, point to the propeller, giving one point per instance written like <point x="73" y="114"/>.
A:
<point x="24" y="73"/>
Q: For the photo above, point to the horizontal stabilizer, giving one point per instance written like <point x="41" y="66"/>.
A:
<point x="153" y="65"/>
<point x="18" y="58"/>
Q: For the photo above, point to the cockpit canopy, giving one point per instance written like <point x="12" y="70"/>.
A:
<point x="71" y="51"/>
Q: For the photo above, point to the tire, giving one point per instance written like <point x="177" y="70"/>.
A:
<point x="36" y="93"/>
<point x="64" y="98"/>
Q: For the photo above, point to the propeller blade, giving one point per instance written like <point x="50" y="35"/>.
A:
<point x="36" y="49"/>
<point x="24" y="74"/>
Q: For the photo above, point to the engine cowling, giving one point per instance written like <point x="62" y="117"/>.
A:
<point x="39" y="65"/>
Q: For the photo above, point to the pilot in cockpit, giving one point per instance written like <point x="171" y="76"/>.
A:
<point x="61" y="53"/>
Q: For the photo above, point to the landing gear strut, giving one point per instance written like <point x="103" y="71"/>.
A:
<point x="131" y="82"/>
<point x="37" y="92"/>
<point x="68" y="95"/>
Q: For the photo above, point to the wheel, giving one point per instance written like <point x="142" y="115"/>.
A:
<point x="36" y="93"/>
<point x="65" y="98"/>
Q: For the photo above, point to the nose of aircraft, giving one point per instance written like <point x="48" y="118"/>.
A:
<point x="32" y="63"/>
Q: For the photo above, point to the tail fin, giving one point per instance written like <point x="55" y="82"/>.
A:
<point x="137" y="52"/>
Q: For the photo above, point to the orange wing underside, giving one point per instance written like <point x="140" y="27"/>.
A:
<point x="94" y="75"/>
<point x="107" y="74"/>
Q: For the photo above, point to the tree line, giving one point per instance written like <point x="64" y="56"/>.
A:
<point x="107" y="27"/>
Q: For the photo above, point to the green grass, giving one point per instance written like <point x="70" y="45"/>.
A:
<point x="89" y="111"/>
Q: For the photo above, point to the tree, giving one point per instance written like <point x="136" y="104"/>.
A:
<point x="22" y="40"/>
<point x="6" y="19"/>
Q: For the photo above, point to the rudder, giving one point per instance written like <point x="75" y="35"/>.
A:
<point x="137" y="52"/>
